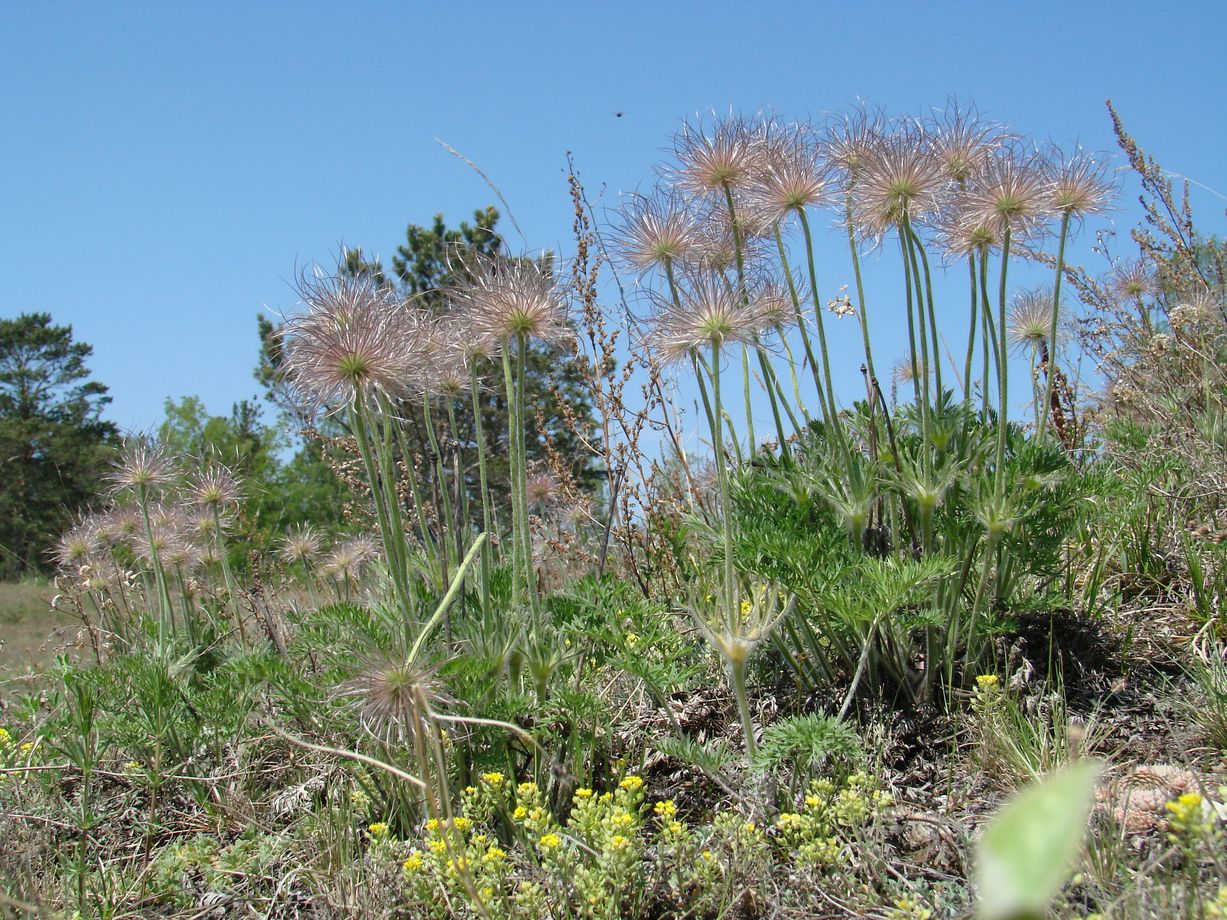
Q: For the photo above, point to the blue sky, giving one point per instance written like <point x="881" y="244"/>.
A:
<point x="165" y="166"/>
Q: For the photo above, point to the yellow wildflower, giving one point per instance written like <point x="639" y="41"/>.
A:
<point x="462" y="824"/>
<point x="493" y="778"/>
<point x="631" y="638"/>
<point x="378" y="830"/>
<point x="618" y="842"/>
<point x="414" y="863"/>
<point x="631" y="783"/>
<point x="583" y="793"/>
<point x="438" y="847"/>
<point x="549" y="842"/>
<point x="666" y="809"/>
<point x="987" y="681"/>
<point x="520" y="813"/>
<point x="495" y="854"/>
<point x="526" y="788"/>
<point x="5" y="738"/>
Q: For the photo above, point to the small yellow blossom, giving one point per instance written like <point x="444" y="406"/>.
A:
<point x="432" y="825"/>
<point x="520" y="813"/>
<point x="526" y="789"/>
<point x="495" y="854"/>
<point x="5" y="738"/>
<point x="549" y="842"/>
<point x="631" y="638"/>
<point x="378" y="830"/>
<point x="493" y="778"/>
<point x="666" y="809"/>
<point x="462" y="824"/>
<point x="583" y="793"/>
<point x="132" y="766"/>
<point x="618" y="842"/>
<point x="26" y="747"/>
<point x="987" y="681"/>
<point x="631" y="783"/>
<point x="414" y="863"/>
<point x="438" y="847"/>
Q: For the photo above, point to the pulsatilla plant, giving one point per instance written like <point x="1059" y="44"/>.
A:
<point x="945" y="477"/>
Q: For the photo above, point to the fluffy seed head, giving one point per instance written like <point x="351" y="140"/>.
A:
<point x="396" y="699"/>
<point x="716" y="155"/>
<point x="791" y="175"/>
<point x="710" y="312"/>
<point x="505" y="298"/>
<point x="1029" y="319"/>
<point x="1010" y="193"/>
<point x="354" y="341"/>
<point x="900" y="179"/>
<point x="77" y="544"/>
<point x="852" y="139"/>
<point x="300" y="544"/>
<point x="142" y="467"/>
<point x="961" y="142"/>
<point x="1132" y="281"/>
<point x="655" y="231"/>
<point x="1078" y="184"/>
<point x="215" y="486"/>
<point x="346" y="560"/>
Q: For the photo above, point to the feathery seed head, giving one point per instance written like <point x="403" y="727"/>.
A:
<point x="655" y="231"/>
<point x="355" y="340"/>
<point x="300" y="544"/>
<point x="899" y="179"/>
<point x="790" y="176"/>
<point x="1078" y="184"/>
<point x="852" y="139"/>
<point x="716" y="155"/>
<point x="215" y="486"/>
<point x="1133" y="281"/>
<point x="961" y="142"/>
<point x="505" y="298"/>
<point x="1030" y="319"/>
<point x="396" y="699"/>
<point x="1012" y="193"/>
<point x="143" y="467"/>
<point x="77" y="544"/>
<point x="710" y="313"/>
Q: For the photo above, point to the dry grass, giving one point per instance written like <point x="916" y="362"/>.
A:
<point x="31" y="634"/>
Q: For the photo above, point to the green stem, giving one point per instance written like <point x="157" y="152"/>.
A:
<point x="1002" y="369"/>
<point x="822" y="337"/>
<point x="485" y="488"/>
<point x="861" y="308"/>
<point x="971" y="332"/>
<point x="1052" y="328"/>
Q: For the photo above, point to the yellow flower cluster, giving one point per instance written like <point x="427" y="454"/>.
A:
<point x="6" y="739"/>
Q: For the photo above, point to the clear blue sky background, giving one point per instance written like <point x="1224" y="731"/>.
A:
<point x="165" y="166"/>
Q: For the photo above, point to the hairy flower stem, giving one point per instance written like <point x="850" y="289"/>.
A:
<point x="159" y="574"/>
<point x="924" y="263"/>
<point x="1052" y="328"/>
<point x="722" y="478"/>
<point x="486" y="506"/>
<point x="971" y="332"/>
<point x="518" y="587"/>
<point x="358" y="421"/>
<point x="990" y="332"/>
<point x="775" y="396"/>
<point x="397" y="549"/>
<point x="232" y="587"/>
<point x="926" y="369"/>
<point x="428" y="543"/>
<point x="1002" y="369"/>
<point x="822" y="336"/>
<point x="911" y="337"/>
<point x="805" y="340"/>
<point x="522" y="481"/>
<point x="862" y="313"/>
<point x="751" y="441"/>
<point x="738" y="671"/>
<point x="446" y="537"/>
